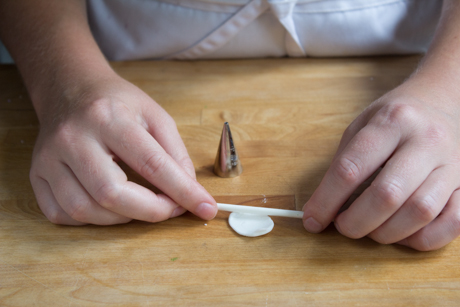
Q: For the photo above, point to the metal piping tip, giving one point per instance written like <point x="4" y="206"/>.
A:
<point x="227" y="162"/>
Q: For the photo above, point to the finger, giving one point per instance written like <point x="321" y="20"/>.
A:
<point x="402" y="175"/>
<point x="108" y="186"/>
<point x="420" y="209"/>
<point x="349" y="133"/>
<point x="76" y="201"/>
<point x="363" y="155"/>
<point x="142" y="153"/>
<point x="48" y="204"/>
<point x="444" y="229"/>
<point x="164" y="130"/>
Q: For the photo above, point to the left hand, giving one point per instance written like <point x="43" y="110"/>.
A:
<point x="413" y="132"/>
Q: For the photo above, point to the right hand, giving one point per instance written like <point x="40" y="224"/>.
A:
<point x="74" y="173"/>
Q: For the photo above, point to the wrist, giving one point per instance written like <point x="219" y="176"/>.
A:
<point x="65" y="86"/>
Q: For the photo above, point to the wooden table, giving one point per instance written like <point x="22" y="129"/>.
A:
<point x="287" y="117"/>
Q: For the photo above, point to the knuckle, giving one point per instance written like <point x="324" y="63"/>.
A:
<point x="79" y="211"/>
<point x="153" y="165"/>
<point x="424" y="209"/>
<point x="108" y="195"/>
<point x="389" y="194"/>
<point x="348" y="170"/>
<point x="426" y="241"/>
<point x="101" y="110"/>
<point x="105" y="113"/>
<point x="64" y="134"/>
<point x="401" y="112"/>
<point x="396" y="113"/>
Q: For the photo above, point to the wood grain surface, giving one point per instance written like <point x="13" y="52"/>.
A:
<point x="287" y="117"/>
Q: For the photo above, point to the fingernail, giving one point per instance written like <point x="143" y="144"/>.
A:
<point x="311" y="225"/>
<point x="178" y="211"/>
<point x="206" y="211"/>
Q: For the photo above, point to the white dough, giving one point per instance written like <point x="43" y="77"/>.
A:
<point x="250" y="225"/>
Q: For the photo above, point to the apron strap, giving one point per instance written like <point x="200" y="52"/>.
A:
<point x="224" y="33"/>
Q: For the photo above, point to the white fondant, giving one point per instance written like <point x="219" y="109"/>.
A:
<point x="250" y="225"/>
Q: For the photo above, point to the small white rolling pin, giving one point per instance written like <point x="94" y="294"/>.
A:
<point x="260" y="210"/>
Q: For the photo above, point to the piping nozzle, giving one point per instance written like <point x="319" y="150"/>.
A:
<point x="227" y="162"/>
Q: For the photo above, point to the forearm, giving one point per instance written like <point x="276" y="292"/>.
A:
<point x="52" y="45"/>
<point x="440" y="68"/>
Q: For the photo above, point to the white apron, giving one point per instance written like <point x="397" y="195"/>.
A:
<point x="206" y="29"/>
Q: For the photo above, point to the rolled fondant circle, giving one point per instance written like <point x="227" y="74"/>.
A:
<point x="250" y="225"/>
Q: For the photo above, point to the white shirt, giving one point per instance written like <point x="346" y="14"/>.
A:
<point x="204" y="29"/>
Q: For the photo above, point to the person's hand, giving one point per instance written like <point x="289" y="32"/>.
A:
<point x="74" y="173"/>
<point x="413" y="133"/>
